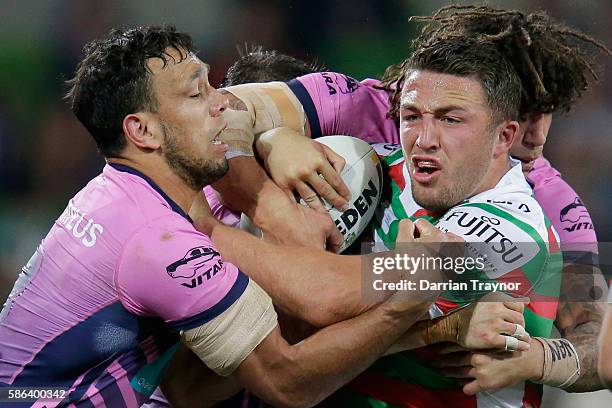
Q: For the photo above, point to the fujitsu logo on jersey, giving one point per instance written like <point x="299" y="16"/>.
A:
<point x="81" y="227"/>
<point x="485" y="227"/>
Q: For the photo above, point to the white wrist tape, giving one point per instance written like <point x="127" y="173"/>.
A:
<point x="270" y="105"/>
<point x="239" y="134"/>
<point x="561" y="363"/>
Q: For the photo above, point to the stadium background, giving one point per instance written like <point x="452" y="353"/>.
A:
<point x="46" y="155"/>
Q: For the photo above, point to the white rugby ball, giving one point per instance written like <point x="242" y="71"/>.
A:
<point x="363" y="176"/>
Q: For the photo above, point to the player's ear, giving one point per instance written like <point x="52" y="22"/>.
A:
<point x="507" y="131"/>
<point x="143" y="130"/>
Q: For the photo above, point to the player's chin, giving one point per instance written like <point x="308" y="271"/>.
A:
<point x="527" y="165"/>
<point x="426" y="197"/>
<point x="222" y="164"/>
<point x="527" y="160"/>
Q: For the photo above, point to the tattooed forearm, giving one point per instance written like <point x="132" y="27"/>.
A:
<point x="580" y="322"/>
<point x="584" y="338"/>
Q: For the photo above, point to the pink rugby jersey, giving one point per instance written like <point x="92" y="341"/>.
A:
<point x="98" y="308"/>
<point x="336" y="104"/>
<point x="567" y="213"/>
<point x="221" y="212"/>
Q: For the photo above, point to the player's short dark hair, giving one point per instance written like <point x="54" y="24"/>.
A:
<point x="461" y="57"/>
<point x="258" y="65"/>
<point x="554" y="61"/>
<point x="113" y="80"/>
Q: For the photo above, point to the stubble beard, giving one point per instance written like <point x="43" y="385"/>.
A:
<point x="196" y="172"/>
<point x="459" y="187"/>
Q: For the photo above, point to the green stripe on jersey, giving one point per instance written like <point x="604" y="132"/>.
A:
<point x="536" y="325"/>
<point x="393" y="157"/>
<point x="390" y="237"/>
<point x="354" y="400"/>
<point x="504" y="214"/>
<point x="407" y="367"/>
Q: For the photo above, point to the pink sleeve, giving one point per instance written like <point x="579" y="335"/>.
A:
<point x="566" y="211"/>
<point x="221" y="212"/>
<point x="336" y="104"/>
<point x="170" y="270"/>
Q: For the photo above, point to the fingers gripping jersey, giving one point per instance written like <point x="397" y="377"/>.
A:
<point x="98" y="309"/>
<point x="504" y="217"/>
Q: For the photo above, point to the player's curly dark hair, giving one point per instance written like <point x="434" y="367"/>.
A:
<point x="554" y="61"/>
<point x="258" y="65"/>
<point x="113" y="80"/>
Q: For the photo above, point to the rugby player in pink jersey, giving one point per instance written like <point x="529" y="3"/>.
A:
<point x="125" y="272"/>
<point x="336" y="104"/>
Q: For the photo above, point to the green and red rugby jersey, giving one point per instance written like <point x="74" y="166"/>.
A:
<point x="506" y="215"/>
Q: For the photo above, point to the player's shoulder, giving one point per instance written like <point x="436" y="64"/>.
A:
<point x="171" y="258"/>
<point x="121" y="201"/>
<point x="335" y="83"/>
<point x="139" y="197"/>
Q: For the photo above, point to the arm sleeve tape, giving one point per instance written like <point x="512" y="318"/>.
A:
<point x="270" y="105"/>
<point x="224" y="342"/>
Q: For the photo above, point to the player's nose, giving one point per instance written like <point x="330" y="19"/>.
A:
<point x="537" y="131"/>
<point x="428" y="138"/>
<point x="219" y="103"/>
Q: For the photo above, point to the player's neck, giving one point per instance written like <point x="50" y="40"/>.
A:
<point x="160" y="173"/>
<point x="498" y="168"/>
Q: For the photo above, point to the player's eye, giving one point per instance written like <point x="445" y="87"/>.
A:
<point x="409" y="118"/>
<point x="450" y="120"/>
<point x="197" y="95"/>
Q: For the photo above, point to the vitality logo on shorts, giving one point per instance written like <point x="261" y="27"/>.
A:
<point x="188" y="265"/>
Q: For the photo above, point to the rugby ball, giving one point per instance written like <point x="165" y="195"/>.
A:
<point x="363" y="176"/>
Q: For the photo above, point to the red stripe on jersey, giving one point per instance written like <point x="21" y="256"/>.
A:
<point x="532" y="396"/>
<point x="397" y="392"/>
<point x="552" y="241"/>
<point x="396" y="174"/>
<point x="423" y="212"/>
<point x="544" y="306"/>
<point x="524" y="287"/>
<point x="445" y="305"/>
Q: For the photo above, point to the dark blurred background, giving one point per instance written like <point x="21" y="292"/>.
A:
<point x="46" y="155"/>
